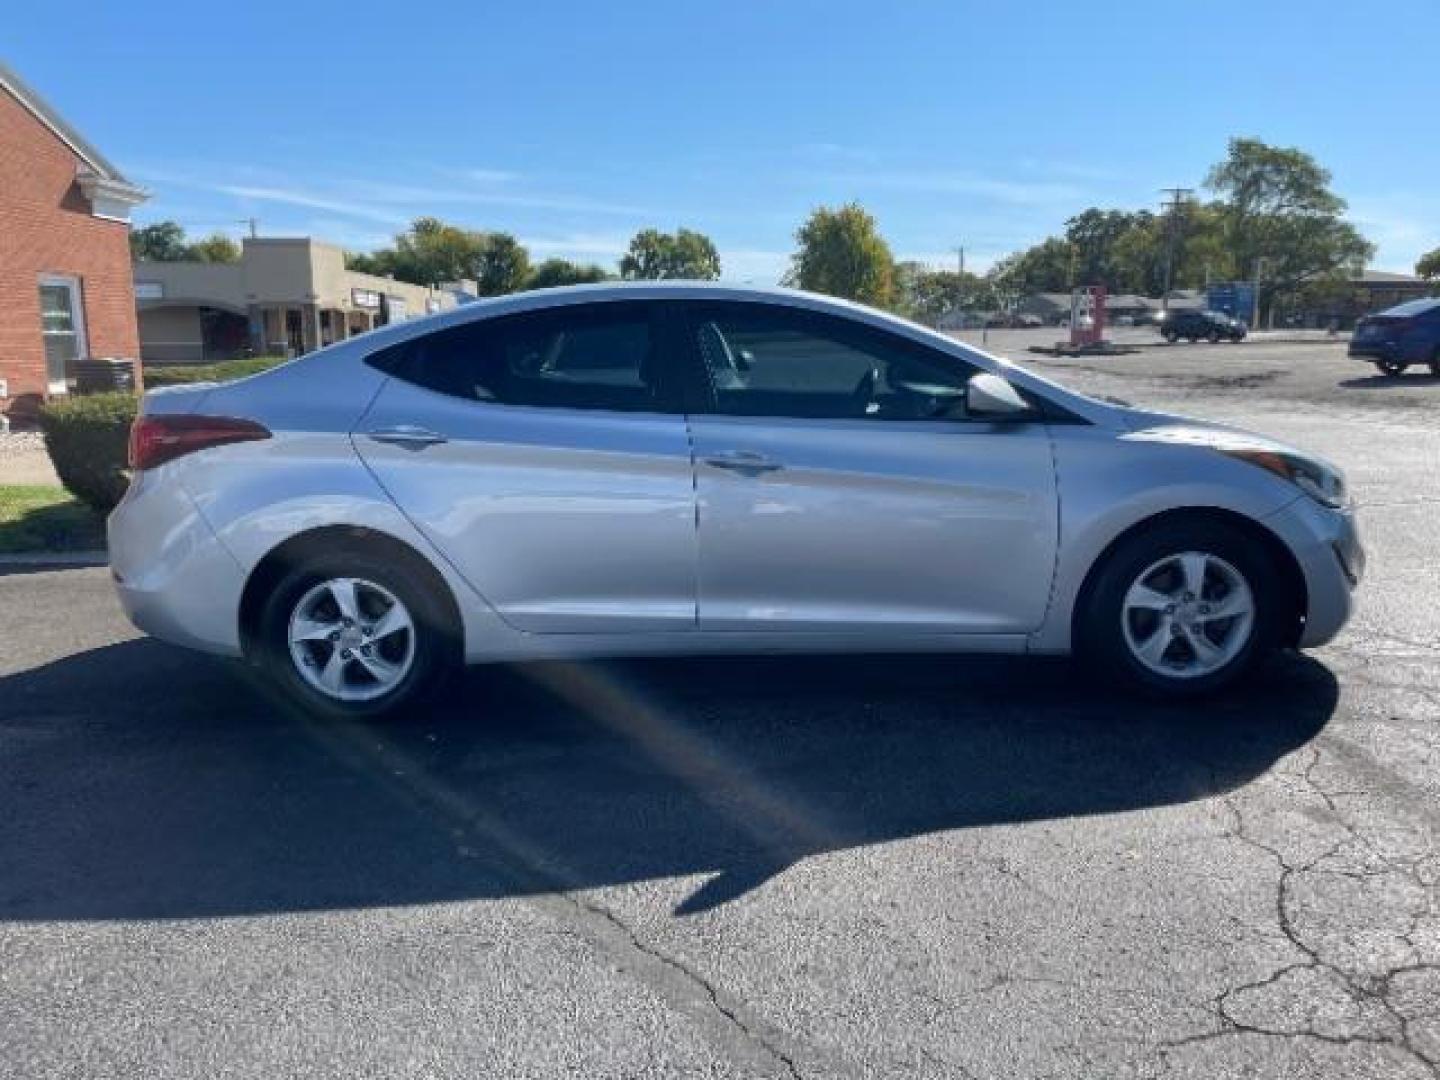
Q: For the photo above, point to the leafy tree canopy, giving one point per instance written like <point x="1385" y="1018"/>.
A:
<point x="655" y="256"/>
<point x="553" y="272"/>
<point x="841" y="252"/>
<point x="165" y="241"/>
<point x="1429" y="265"/>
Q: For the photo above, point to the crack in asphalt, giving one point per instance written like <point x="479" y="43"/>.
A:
<point x="1376" y="992"/>
<point x="748" y="1026"/>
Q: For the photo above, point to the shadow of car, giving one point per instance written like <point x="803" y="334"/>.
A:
<point x="175" y="792"/>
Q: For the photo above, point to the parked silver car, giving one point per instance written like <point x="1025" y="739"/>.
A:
<point x="662" y="469"/>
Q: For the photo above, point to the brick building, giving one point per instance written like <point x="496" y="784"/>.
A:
<point x="65" y="281"/>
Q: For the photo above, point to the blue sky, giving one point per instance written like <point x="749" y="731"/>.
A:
<point x="573" y="125"/>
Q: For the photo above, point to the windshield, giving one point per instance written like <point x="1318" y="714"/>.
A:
<point x="1411" y="308"/>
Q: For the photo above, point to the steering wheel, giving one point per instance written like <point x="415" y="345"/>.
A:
<point x="863" y="396"/>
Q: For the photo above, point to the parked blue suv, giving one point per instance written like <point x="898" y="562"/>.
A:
<point x="1406" y="334"/>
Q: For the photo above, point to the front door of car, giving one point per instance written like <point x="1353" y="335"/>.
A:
<point x="545" y="456"/>
<point x="843" y="488"/>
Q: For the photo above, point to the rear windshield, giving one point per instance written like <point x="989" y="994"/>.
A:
<point x="1413" y="307"/>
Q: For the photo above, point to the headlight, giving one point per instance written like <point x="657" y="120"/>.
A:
<point x="1321" y="482"/>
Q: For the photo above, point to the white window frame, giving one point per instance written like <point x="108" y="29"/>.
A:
<point x="77" y="309"/>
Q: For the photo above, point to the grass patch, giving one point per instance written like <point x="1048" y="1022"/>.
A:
<point x="41" y="519"/>
<point x="224" y="371"/>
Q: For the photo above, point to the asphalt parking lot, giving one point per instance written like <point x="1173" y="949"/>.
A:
<point x="804" y="868"/>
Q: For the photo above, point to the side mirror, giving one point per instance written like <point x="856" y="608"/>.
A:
<point x="990" y="397"/>
<point x="744" y="359"/>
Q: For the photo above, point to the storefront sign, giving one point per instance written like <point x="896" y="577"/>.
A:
<point x="398" y="308"/>
<point x="149" y="290"/>
<point x="365" y="298"/>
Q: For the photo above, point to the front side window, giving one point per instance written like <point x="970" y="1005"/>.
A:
<point x="760" y="360"/>
<point x="584" y="357"/>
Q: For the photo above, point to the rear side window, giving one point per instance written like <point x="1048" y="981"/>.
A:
<point x="584" y="357"/>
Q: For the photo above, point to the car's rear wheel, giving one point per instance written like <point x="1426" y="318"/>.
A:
<point x="1213" y="337"/>
<point x="350" y="636"/>
<point x="1181" y="610"/>
<point x="1391" y="367"/>
<point x="1171" y="336"/>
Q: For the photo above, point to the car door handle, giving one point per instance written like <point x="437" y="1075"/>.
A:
<point x="408" y="435"/>
<point x="743" y="461"/>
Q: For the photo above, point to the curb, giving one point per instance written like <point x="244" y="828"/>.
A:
<point x="1247" y="341"/>
<point x="55" y="559"/>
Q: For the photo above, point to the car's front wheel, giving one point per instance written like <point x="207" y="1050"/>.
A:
<point x="1391" y="367"/>
<point x="352" y="636"/>
<point x="1184" y="609"/>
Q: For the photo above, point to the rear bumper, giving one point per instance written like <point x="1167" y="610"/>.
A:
<point x="176" y="581"/>
<point x="1327" y="545"/>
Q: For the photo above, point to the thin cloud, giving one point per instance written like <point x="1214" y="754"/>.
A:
<point x="1013" y="192"/>
<point x="291" y="197"/>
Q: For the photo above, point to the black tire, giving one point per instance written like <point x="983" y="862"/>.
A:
<point x="1435" y="362"/>
<point x="1192" y="338"/>
<point x="1171" y="336"/>
<point x="1100" y="638"/>
<point x="436" y="641"/>
<point x="1393" y="368"/>
<point x="1213" y="337"/>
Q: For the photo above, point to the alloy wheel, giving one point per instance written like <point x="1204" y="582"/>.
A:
<point x="351" y="639"/>
<point x="1188" y="615"/>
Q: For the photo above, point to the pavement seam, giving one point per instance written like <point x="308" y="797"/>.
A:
<point x="543" y="885"/>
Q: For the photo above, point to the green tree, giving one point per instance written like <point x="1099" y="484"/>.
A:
<point x="1094" y="236"/>
<point x="431" y="252"/>
<point x="553" y="272"/>
<point x="655" y="256"/>
<point x="1276" y="205"/>
<point x="1046" y="267"/>
<point x="926" y="294"/>
<point x="215" y="248"/>
<point x="502" y="265"/>
<point x="842" y="253"/>
<point x="162" y="242"/>
<point x="1429" y="265"/>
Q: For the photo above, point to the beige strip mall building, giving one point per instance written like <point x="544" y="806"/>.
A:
<point x="285" y="295"/>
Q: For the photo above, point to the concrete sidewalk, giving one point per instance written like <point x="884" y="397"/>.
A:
<point x="23" y="460"/>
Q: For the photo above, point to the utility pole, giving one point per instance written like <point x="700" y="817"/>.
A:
<point x="1259" y="272"/>
<point x="254" y="226"/>
<point x="1178" y="195"/>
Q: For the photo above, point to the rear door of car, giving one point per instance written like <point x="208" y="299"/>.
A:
<point x="546" y="456"/>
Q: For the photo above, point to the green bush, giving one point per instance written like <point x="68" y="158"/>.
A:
<point x="224" y="371"/>
<point x="87" y="439"/>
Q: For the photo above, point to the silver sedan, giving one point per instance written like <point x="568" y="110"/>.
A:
<point x="681" y="469"/>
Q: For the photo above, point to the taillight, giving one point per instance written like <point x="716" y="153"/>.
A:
<point x="155" y="440"/>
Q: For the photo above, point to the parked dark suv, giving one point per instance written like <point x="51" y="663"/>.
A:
<point x="1406" y="334"/>
<point x="1195" y="324"/>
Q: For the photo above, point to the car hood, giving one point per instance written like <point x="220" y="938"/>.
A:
<point x="1144" y="425"/>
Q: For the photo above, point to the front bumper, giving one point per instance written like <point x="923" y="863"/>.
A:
<point x="176" y="581"/>
<point x="1326" y="543"/>
<point x="1373" y="350"/>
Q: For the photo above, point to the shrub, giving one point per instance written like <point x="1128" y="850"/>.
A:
<point x="87" y="440"/>
<point x="223" y="371"/>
